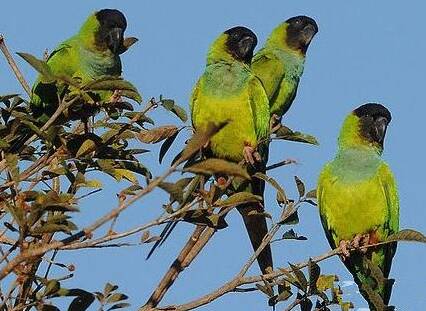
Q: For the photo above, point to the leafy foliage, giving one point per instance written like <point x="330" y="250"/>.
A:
<point x="49" y="166"/>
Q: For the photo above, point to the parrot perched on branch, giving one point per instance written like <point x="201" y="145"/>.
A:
<point x="279" y="64"/>
<point x="229" y="91"/>
<point x="358" y="202"/>
<point x="93" y="52"/>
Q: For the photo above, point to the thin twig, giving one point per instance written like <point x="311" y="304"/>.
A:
<point x="199" y="238"/>
<point x="14" y="66"/>
<point x="86" y="231"/>
<point x="177" y="266"/>
<point x="293" y="305"/>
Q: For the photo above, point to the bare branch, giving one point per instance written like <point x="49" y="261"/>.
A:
<point x="14" y="66"/>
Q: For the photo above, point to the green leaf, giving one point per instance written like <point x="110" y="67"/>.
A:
<point x="166" y="146"/>
<point x="314" y="273"/>
<point x="238" y="198"/>
<point x="291" y="235"/>
<point x="12" y="166"/>
<point x="112" y="83"/>
<point x="170" y="105"/>
<point x="285" y="133"/>
<point x="109" y="288"/>
<point x="52" y="287"/>
<point x="119" y="306"/>
<point x="87" y="147"/>
<point x="289" y="216"/>
<point x="281" y="196"/>
<point x="300" y="186"/>
<point x="157" y="134"/>
<point x="346" y="306"/>
<point x="4" y="144"/>
<point x="407" y="235"/>
<point x="120" y="173"/>
<point x="266" y="289"/>
<point x="218" y="166"/>
<point x="284" y="293"/>
<point x="83" y="300"/>
<point x="325" y="282"/>
<point x="301" y="279"/>
<point x="40" y="66"/>
<point x="49" y="308"/>
<point x="116" y="297"/>
<point x="203" y="216"/>
<point x="312" y="194"/>
<point x="306" y="305"/>
<point x="200" y="139"/>
<point x="175" y="191"/>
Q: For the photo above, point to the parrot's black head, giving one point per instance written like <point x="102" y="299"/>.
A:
<point x="112" y="26"/>
<point x="300" y="32"/>
<point x="240" y="43"/>
<point x="374" y="120"/>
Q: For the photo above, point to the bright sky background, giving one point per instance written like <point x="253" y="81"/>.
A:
<point x="364" y="51"/>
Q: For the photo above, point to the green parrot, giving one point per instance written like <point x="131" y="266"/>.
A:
<point x="279" y="64"/>
<point x="91" y="53"/>
<point x="358" y="201"/>
<point x="229" y="91"/>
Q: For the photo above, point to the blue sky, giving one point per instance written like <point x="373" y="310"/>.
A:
<point x="365" y="51"/>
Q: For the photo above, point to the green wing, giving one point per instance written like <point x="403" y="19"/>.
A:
<point x="192" y="102"/>
<point x="44" y="98"/>
<point x="260" y="107"/>
<point x="252" y="213"/>
<point x="269" y="70"/>
<point x="392" y="224"/>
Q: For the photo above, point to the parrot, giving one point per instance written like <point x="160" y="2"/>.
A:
<point x="93" y="52"/>
<point x="358" y="202"/>
<point x="279" y="64"/>
<point x="229" y="91"/>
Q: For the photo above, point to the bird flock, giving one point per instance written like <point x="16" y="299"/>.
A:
<point x="356" y="194"/>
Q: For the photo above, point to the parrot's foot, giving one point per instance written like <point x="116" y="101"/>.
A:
<point x="116" y="97"/>
<point x="221" y="181"/>
<point x="359" y="241"/>
<point x="345" y="246"/>
<point x="251" y="155"/>
<point x="274" y="123"/>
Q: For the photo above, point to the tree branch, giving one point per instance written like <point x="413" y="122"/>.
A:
<point x="199" y="238"/>
<point x="27" y="254"/>
<point x="14" y="66"/>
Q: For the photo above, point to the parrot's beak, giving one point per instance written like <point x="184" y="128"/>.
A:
<point x="380" y="126"/>
<point x="246" y="46"/>
<point x="309" y="32"/>
<point x="115" y="40"/>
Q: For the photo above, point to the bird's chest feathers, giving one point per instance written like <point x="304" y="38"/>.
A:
<point x="353" y="165"/>
<point x="225" y="80"/>
<point x="294" y="65"/>
<point x="100" y="64"/>
<point x="356" y="200"/>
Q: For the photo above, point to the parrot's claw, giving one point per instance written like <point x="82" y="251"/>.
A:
<point x="251" y="155"/>
<point x="221" y="181"/>
<point x="274" y="123"/>
<point x="359" y="241"/>
<point x="115" y="97"/>
<point x="345" y="247"/>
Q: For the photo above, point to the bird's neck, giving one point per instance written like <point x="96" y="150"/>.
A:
<point x="355" y="163"/>
<point x="99" y="64"/>
<point x="294" y="63"/>
<point x="223" y="79"/>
